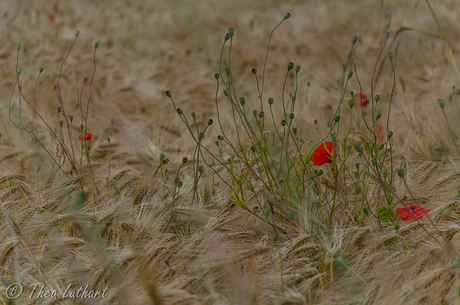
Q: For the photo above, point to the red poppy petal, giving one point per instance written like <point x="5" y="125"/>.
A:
<point x="79" y="137"/>
<point x="322" y="154"/>
<point x="417" y="214"/>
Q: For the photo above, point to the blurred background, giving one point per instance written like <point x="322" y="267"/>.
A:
<point x="148" y="47"/>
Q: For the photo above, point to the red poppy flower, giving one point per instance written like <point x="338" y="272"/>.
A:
<point x="362" y="96"/>
<point x="88" y="137"/>
<point x="413" y="213"/>
<point x="51" y="18"/>
<point x="323" y="153"/>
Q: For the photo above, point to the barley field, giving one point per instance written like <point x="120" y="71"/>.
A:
<point x="229" y="152"/>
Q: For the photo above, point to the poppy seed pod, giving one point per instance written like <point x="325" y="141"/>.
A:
<point x="168" y="93"/>
<point x="216" y="76"/>
<point x="354" y="39"/>
<point x="220" y="137"/>
<point x="287" y="16"/>
<point x="350" y="74"/>
<point x="261" y="114"/>
<point x="297" y="69"/>
<point x="227" y="71"/>
<point x="271" y="198"/>
<point x="227" y="36"/>
<point x="339" y="261"/>
<point x="184" y="160"/>
<point x="226" y="93"/>
<point x="210" y="122"/>
<point x="77" y="32"/>
<point x="254" y="112"/>
<point x="290" y="66"/>
<point x="442" y="103"/>
<point x="217" y="143"/>
<point x="96" y="45"/>
<point x="19" y="71"/>
<point x="242" y="101"/>
<point x="270" y="101"/>
<point x="337" y="119"/>
<point x="377" y="98"/>
<point x="291" y="116"/>
<point x="201" y="136"/>
<point x="351" y="103"/>
<point x="254" y="71"/>
<point x="401" y="173"/>
<point x="40" y="70"/>
<point x="315" y="121"/>
<point x="193" y="115"/>
<point x="231" y="32"/>
<point x="294" y="130"/>
<point x="180" y="111"/>
<point x="18" y="46"/>
<point x="390" y="134"/>
<point x="283" y="123"/>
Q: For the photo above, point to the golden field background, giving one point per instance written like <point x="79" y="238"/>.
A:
<point x="148" y="47"/>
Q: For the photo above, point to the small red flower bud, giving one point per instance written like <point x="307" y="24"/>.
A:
<point x="51" y="18"/>
<point x="88" y="137"/>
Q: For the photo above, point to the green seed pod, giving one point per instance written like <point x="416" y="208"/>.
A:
<point x="261" y="114"/>
<point x="337" y="119"/>
<point x="350" y="74"/>
<point x="85" y="79"/>
<point x="377" y="98"/>
<point x="162" y="156"/>
<point x="210" y="122"/>
<point x="267" y="212"/>
<point x="184" y="160"/>
<point x="354" y="39"/>
<point x="442" y="103"/>
<point x="18" y="46"/>
<point x="217" y="143"/>
<point x="253" y="148"/>
<point x="315" y="121"/>
<point x="71" y="118"/>
<point x="201" y="136"/>
<point x="96" y="45"/>
<point x="291" y="116"/>
<point x="390" y="134"/>
<point x="287" y="16"/>
<point x="318" y="173"/>
<point x="227" y="36"/>
<point x="334" y="136"/>
<point x="226" y="93"/>
<point x="108" y="140"/>
<point x="312" y="175"/>
<point x="19" y="71"/>
<point x="216" y="76"/>
<point x="318" y="204"/>
<point x="40" y="70"/>
<point x="168" y="93"/>
<point x="254" y="113"/>
<point x="378" y="116"/>
<point x="351" y="103"/>
<point x="294" y="130"/>
<point x="227" y="71"/>
<point x="366" y="210"/>
<point x="277" y="192"/>
<point x="291" y="215"/>
<point x="180" y="111"/>
<point x="339" y="261"/>
<point x="242" y="101"/>
<point x="359" y="147"/>
<point x="310" y="163"/>
<point x="201" y="169"/>
<point x="290" y="66"/>
<point x="270" y="101"/>
<point x="271" y="198"/>
<point x="231" y="32"/>
<point x="193" y="115"/>
<point x="77" y="32"/>
<point x="446" y="213"/>
<point x="38" y="169"/>
<point x="397" y="227"/>
<point x="89" y="148"/>
<point x="254" y="71"/>
<point x="283" y="123"/>
<point x="297" y="69"/>
<point x="401" y="173"/>
<point x="220" y="137"/>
